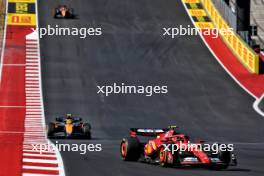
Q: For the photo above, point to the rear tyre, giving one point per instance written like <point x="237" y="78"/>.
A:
<point x="87" y="130"/>
<point x="50" y="129"/>
<point x="130" y="149"/>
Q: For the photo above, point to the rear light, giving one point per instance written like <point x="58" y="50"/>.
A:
<point x="133" y="134"/>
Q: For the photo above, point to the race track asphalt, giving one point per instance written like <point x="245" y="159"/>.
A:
<point x="202" y="100"/>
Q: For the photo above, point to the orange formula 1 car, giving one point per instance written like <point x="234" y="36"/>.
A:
<point x="62" y="11"/>
<point x="69" y="127"/>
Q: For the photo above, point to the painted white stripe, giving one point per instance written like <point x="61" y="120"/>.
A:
<point x="32" y="64"/>
<point x="36" y="142"/>
<point x="32" y="86"/>
<point x="40" y="168"/>
<point x="32" y="121"/>
<point x="31" y="49"/>
<point x="32" y="71"/>
<point x="33" y="116"/>
<point x="31" y="46"/>
<point x="31" y="79"/>
<point x="33" y="94"/>
<point x="34" y="83"/>
<point x="36" y="147"/>
<point x="29" y="74"/>
<point x="32" y="42"/>
<point x="33" y="110"/>
<point x="33" y="129"/>
<point x="31" y="68"/>
<point x="32" y="56"/>
<point x="33" y="133"/>
<point x="27" y="174"/>
<point x="33" y="98"/>
<point x="34" y="89"/>
<point x="35" y="113"/>
<point x="32" y="60"/>
<point x="33" y="126"/>
<point x="42" y="155"/>
<point x="34" y="151"/>
<point x="37" y="137"/>
<point x="40" y="161"/>
<point x="32" y="52"/>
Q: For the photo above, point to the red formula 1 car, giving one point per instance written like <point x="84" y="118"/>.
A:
<point x="161" y="149"/>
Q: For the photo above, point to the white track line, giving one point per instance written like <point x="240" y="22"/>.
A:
<point x="256" y="105"/>
<point x="35" y="132"/>
<point x="40" y="168"/>
<point x="3" y="44"/>
<point x="26" y="174"/>
<point x="229" y="73"/>
<point x="40" y="161"/>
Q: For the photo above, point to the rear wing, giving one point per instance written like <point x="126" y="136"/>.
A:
<point x="147" y="131"/>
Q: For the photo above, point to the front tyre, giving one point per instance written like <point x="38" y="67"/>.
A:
<point x="225" y="157"/>
<point x="87" y="130"/>
<point x="166" y="158"/>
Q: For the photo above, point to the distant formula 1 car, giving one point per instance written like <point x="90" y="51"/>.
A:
<point x="153" y="150"/>
<point x="69" y="127"/>
<point x="62" y="11"/>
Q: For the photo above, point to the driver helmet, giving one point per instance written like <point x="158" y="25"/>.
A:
<point x="68" y="116"/>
